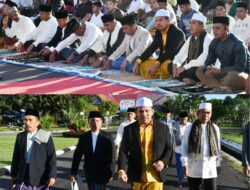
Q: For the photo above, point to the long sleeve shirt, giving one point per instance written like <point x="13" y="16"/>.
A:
<point x="182" y="56"/>
<point x="97" y="20"/>
<point x="92" y="39"/>
<point x="133" y="45"/>
<point x="231" y="53"/>
<point x="120" y="130"/>
<point x="24" y="3"/>
<point x="135" y="5"/>
<point x="43" y="33"/>
<point x="24" y="27"/>
<point x="241" y="29"/>
<point x="204" y="166"/>
<point x="116" y="38"/>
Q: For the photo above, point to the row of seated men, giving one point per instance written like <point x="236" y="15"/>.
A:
<point x="220" y="62"/>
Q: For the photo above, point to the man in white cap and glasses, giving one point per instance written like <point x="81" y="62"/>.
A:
<point x="146" y="147"/>
<point x="194" y="52"/>
<point x="169" y="39"/>
<point x="201" y="150"/>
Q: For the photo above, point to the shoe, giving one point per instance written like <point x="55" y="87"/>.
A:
<point x="180" y="184"/>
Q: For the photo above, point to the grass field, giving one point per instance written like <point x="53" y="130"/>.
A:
<point x="7" y="146"/>
<point x="236" y="137"/>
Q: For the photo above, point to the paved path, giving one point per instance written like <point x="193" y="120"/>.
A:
<point x="229" y="178"/>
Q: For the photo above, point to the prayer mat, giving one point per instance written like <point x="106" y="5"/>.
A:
<point x="68" y="85"/>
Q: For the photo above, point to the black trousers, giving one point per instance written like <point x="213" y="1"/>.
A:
<point x="195" y="183"/>
<point x="189" y="73"/>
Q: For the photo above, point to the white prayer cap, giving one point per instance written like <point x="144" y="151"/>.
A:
<point x="205" y="106"/>
<point x="143" y="101"/>
<point x="162" y="13"/>
<point x="199" y="17"/>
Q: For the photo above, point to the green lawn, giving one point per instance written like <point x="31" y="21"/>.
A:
<point x="6" y="129"/>
<point x="236" y="137"/>
<point x="7" y="146"/>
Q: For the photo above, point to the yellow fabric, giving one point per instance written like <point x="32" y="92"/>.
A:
<point x="138" y="61"/>
<point x="149" y="174"/>
<point x="161" y="73"/>
<point x="164" y="38"/>
<point x="148" y="186"/>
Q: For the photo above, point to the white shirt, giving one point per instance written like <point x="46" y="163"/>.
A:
<point x="24" y="3"/>
<point x="205" y="166"/>
<point x="30" y="141"/>
<point x="241" y="29"/>
<point x="24" y="27"/>
<point x="92" y="39"/>
<point x="183" y="54"/>
<point x="182" y="132"/>
<point x="120" y="130"/>
<point x="97" y="20"/>
<point x="94" y="139"/>
<point x="135" y="5"/>
<point x="147" y="8"/>
<point x="43" y="33"/>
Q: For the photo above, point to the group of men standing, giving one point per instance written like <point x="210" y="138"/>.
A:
<point x="144" y="147"/>
<point x="187" y="52"/>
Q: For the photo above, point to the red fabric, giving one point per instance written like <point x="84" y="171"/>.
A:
<point x="67" y="85"/>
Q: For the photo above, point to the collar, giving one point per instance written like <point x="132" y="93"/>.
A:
<point x="95" y="133"/>
<point x="32" y="134"/>
<point x="145" y="126"/>
<point x="165" y="31"/>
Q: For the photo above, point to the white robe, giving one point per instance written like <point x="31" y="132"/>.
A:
<point x="204" y="167"/>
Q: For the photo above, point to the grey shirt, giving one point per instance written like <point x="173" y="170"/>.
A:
<point x="232" y="54"/>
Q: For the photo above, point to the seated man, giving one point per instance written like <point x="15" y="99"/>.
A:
<point x="21" y="26"/>
<point x="163" y="4"/>
<point x="194" y="52"/>
<point x="136" y="40"/>
<point x="45" y="31"/>
<point x="5" y="40"/>
<point x="187" y="13"/>
<point x="90" y="37"/>
<point x="97" y="14"/>
<point x="113" y="9"/>
<point x="84" y="10"/>
<point x="169" y="39"/>
<point x="233" y="56"/>
<point x="112" y="38"/>
<point x="136" y="6"/>
<point x="241" y="27"/>
<point x="220" y="10"/>
<point x="147" y="17"/>
<point x="65" y="29"/>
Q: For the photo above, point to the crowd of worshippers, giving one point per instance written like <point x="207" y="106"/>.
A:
<point x="152" y="39"/>
<point x="144" y="147"/>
